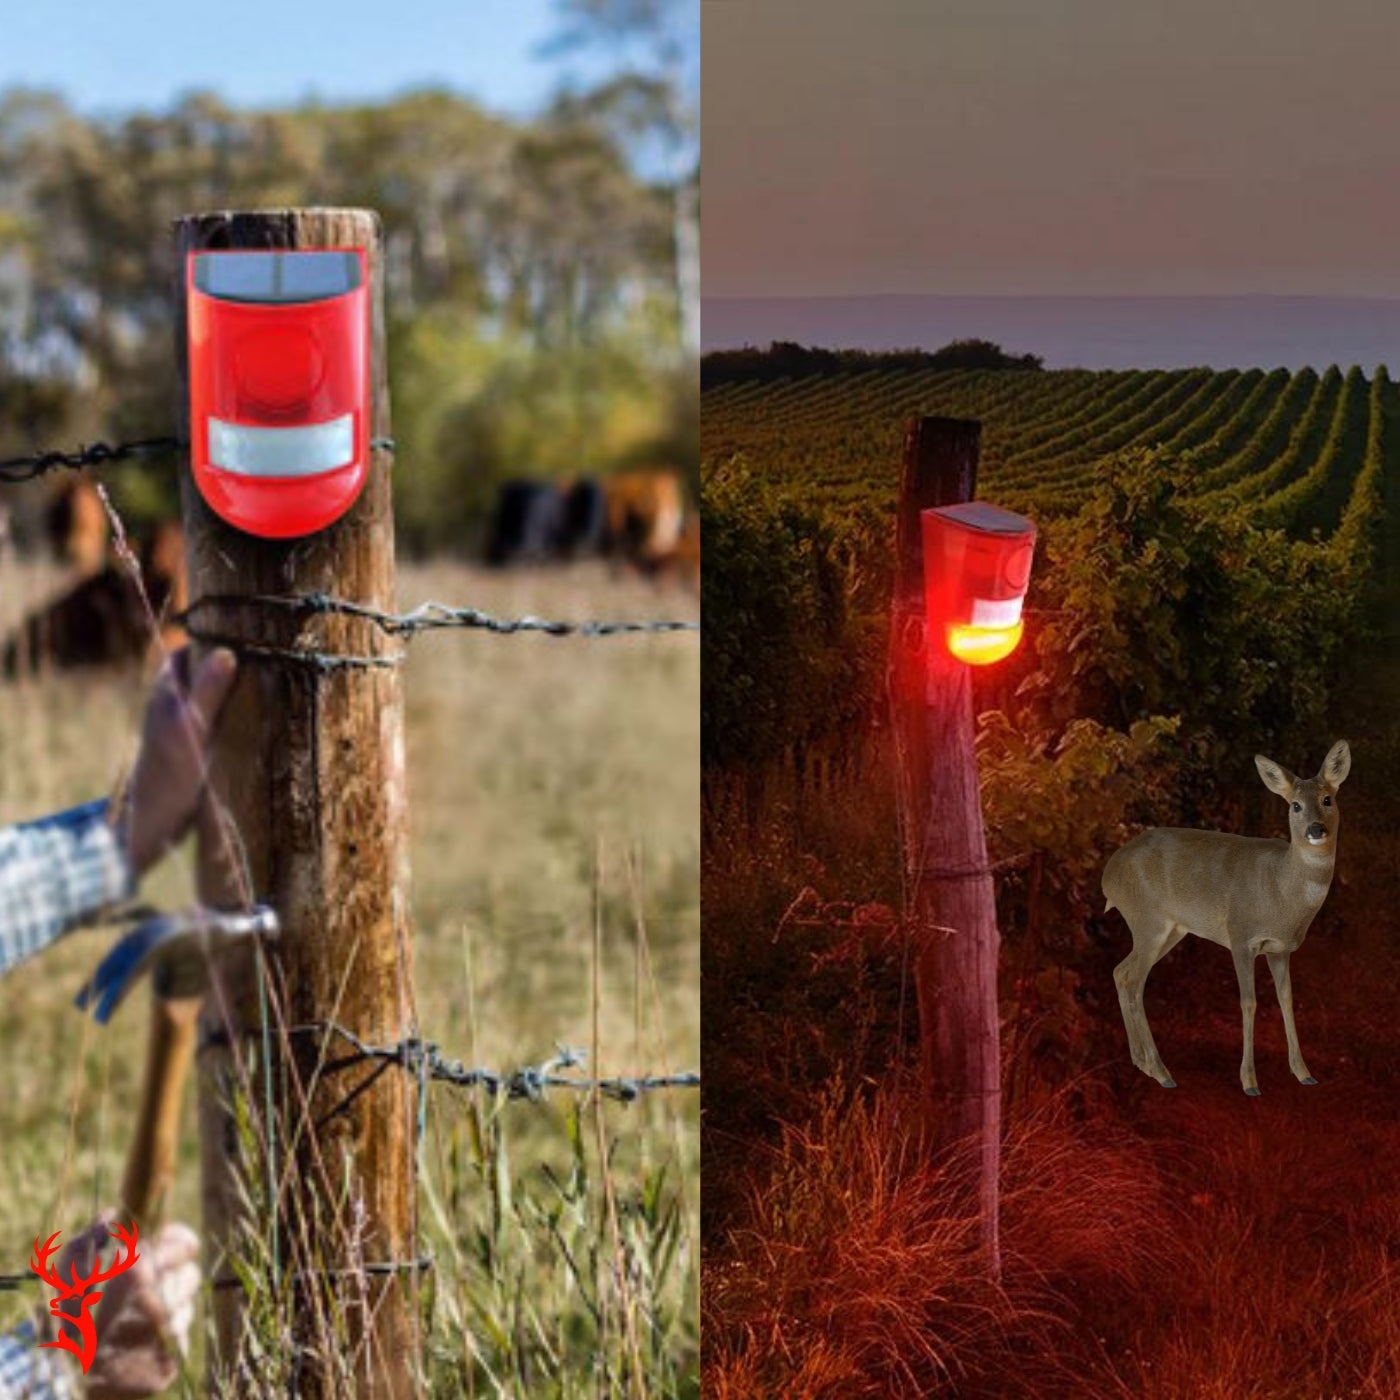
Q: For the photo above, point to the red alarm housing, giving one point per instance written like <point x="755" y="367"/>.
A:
<point x="279" y="385"/>
<point x="977" y="565"/>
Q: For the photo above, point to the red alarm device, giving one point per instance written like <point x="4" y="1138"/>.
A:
<point x="977" y="565"/>
<point x="279" y="385"/>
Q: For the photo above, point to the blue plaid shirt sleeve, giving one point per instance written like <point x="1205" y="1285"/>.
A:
<point x="53" y="874"/>
<point x="29" y="1373"/>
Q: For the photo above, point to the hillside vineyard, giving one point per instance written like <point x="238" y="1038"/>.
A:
<point x="1299" y="451"/>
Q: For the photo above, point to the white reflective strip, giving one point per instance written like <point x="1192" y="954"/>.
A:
<point x="282" y="451"/>
<point x="999" y="612"/>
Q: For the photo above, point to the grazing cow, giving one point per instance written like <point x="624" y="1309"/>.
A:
<point x="583" y="526"/>
<point x="682" y="565"/>
<point x="527" y="523"/>
<point x="77" y="526"/>
<point x="646" y="517"/>
<point x="102" y="620"/>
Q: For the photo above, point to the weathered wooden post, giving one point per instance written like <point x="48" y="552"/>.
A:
<point x="309" y="766"/>
<point x="949" y="900"/>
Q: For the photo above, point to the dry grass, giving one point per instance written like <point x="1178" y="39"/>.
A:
<point x="526" y="756"/>
<point x="858" y="1271"/>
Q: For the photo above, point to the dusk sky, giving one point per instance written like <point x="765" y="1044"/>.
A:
<point x="1051" y="146"/>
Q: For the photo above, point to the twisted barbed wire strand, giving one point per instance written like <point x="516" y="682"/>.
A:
<point x="18" y="469"/>
<point x="14" y="470"/>
<point x="427" y="617"/>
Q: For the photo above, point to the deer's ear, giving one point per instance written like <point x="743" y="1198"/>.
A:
<point x="1337" y="764"/>
<point x="1276" y="777"/>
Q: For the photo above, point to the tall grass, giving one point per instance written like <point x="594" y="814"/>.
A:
<point x="565" y="1233"/>
<point x="857" y="1271"/>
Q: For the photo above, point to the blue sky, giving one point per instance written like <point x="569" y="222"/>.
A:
<point x="107" y="58"/>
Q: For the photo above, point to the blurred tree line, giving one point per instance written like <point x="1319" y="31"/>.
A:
<point x="538" y="271"/>
<point x="786" y="359"/>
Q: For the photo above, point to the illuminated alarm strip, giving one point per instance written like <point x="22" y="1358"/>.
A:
<point x="996" y="612"/>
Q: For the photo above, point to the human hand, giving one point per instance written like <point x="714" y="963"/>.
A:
<point x="166" y="783"/>
<point x="141" y="1310"/>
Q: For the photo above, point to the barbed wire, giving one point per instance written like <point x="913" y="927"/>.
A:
<point x="427" y="617"/>
<point x="18" y="469"/>
<point x="14" y="470"/>
<point x="432" y="616"/>
<point x="426" y="1060"/>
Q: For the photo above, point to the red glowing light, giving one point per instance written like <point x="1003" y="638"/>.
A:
<point x="980" y="646"/>
<point x="977" y="566"/>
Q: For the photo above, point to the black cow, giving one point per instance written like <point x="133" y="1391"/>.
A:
<point x="527" y="523"/>
<point x="583" y="528"/>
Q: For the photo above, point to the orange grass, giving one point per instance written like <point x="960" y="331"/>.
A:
<point x="1209" y="1256"/>
<point x="857" y="1271"/>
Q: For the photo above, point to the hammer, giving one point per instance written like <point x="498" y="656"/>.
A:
<point x="176" y="949"/>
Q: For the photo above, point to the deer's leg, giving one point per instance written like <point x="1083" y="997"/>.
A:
<point x="1244" y="970"/>
<point x="1283" y="985"/>
<point x="1131" y="977"/>
<point x="1124" y="976"/>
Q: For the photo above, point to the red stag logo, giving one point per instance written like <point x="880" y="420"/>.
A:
<point x="78" y="1287"/>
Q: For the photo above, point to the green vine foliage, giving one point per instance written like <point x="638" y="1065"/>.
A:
<point x="1155" y="605"/>
<point x="1073" y="796"/>
<point x="799" y="636"/>
<point x="1145" y="602"/>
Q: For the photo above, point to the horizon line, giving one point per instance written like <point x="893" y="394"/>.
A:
<point x="1369" y="298"/>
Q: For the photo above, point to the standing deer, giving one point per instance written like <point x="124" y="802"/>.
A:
<point x="1249" y="894"/>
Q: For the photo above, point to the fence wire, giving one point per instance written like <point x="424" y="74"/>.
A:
<point x="36" y="464"/>
<point x="427" y="617"/>
<point x="17" y="469"/>
<point x="425" y="1060"/>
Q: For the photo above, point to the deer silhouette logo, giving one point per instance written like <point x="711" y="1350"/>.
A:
<point x="78" y="1287"/>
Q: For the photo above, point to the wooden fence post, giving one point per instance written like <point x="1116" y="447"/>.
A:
<point x="309" y="765"/>
<point x="949" y="900"/>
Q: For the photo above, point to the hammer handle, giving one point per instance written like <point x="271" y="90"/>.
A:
<point x="150" y="1162"/>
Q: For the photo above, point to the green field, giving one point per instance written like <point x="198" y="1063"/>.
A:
<point x="1276" y="485"/>
<point x="1295" y="447"/>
